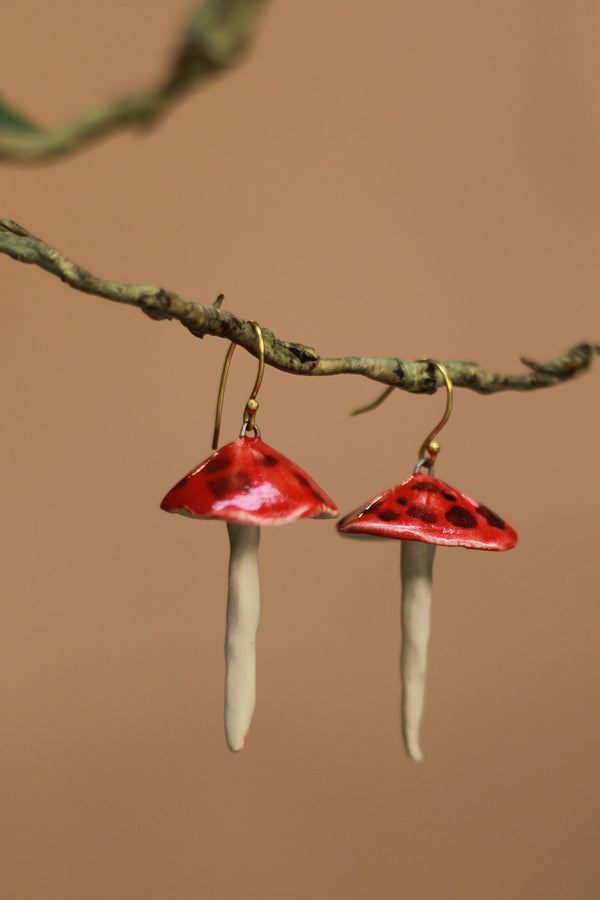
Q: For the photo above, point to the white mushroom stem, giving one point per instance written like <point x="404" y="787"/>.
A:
<point x="416" y="565"/>
<point x="243" y="607"/>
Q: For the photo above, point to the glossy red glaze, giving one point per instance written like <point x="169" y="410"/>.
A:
<point x="248" y="481"/>
<point x="422" y="508"/>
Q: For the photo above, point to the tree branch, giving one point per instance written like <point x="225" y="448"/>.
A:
<point x="215" y="38"/>
<point x="288" y="356"/>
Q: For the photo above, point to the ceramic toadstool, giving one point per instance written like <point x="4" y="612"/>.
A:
<point x="248" y="484"/>
<point x="423" y="512"/>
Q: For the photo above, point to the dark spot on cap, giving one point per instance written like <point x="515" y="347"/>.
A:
<point x="318" y="496"/>
<point x="461" y="517"/>
<point x="219" y="487"/>
<point x="370" y="509"/>
<point x="181" y="482"/>
<point x="388" y="515"/>
<point x="269" y="460"/>
<point x="426" y="486"/>
<point x="401" y="501"/>
<point x="422" y="513"/>
<point x="301" y="478"/>
<point x="243" y="482"/>
<point x="217" y="463"/>
<point x="448" y="496"/>
<point x="490" y="517"/>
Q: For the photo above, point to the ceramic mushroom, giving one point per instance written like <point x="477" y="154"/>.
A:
<point x="423" y="512"/>
<point x="247" y="484"/>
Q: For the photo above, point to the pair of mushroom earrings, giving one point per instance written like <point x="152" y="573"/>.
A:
<point x="249" y="484"/>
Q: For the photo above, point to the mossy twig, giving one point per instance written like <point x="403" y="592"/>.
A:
<point x="288" y="356"/>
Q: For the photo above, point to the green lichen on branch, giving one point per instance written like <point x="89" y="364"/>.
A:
<point x="216" y="37"/>
<point x="288" y="356"/>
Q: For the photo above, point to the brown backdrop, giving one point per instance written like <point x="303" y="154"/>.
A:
<point x="377" y="179"/>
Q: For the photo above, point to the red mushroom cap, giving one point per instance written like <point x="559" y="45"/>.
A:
<point x="422" y="508"/>
<point x="248" y="481"/>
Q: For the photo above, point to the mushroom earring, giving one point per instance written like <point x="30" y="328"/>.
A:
<point x="248" y="484"/>
<point x="423" y="512"/>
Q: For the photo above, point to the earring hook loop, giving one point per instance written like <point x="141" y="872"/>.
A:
<point x="430" y="448"/>
<point x="252" y="404"/>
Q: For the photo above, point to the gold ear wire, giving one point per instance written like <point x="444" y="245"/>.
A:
<point x="251" y="405"/>
<point x="429" y="445"/>
<point x="377" y="402"/>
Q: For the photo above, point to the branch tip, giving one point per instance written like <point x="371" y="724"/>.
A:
<point x="215" y="38"/>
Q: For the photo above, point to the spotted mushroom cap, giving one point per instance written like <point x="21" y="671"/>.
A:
<point x="248" y="481"/>
<point x="422" y="508"/>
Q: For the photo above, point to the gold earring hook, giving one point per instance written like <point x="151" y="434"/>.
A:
<point x="429" y="445"/>
<point x="377" y="402"/>
<point x="251" y="405"/>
